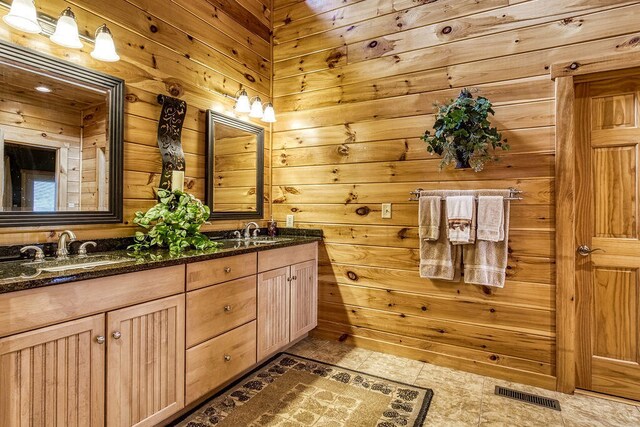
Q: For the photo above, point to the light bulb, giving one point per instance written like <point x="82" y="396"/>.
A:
<point x="23" y="16"/>
<point x="269" y="115"/>
<point x="105" y="49"/>
<point x="66" y="33"/>
<point x="243" y="104"/>
<point x="256" y="108"/>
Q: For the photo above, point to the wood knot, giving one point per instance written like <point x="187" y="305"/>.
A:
<point x="493" y="357"/>
<point x="372" y="44"/>
<point x="130" y="97"/>
<point x="250" y="77"/>
<point x="343" y="150"/>
<point x="363" y="211"/>
<point x="343" y="337"/>
<point x="352" y="276"/>
<point x="175" y="89"/>
<point x="153" y="29"/>
<point x="447" y="30"/>
<point x="574" y="66"/>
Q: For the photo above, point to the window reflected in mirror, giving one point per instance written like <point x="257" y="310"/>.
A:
<point x="53" y="143"/>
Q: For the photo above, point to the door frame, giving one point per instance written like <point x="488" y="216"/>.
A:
<point x="566" y="75"/>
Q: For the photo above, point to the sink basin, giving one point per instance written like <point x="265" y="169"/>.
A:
<point x="262" y="240"/>
<point x="55" y="266"/>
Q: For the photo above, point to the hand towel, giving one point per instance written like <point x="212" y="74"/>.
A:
<point x="485" y="262"/>
<point x="429" y="217"/>
<point x="490" y="218"/>
<point x="459" y="218"/>
<point x="439" y="259"/>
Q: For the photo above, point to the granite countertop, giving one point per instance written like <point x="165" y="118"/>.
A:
<point x="24" y="274"/>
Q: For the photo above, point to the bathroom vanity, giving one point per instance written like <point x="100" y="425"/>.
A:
<point x="137" y="341"/>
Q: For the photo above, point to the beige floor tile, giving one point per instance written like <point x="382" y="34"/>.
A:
<point x="501" y="411"/>
<point x="331" y="352"/>
<point x="307" y="347"/>
<point x="392" y="367"/>
<point x="580" y="410"/>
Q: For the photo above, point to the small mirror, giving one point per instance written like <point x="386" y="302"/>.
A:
<point x="235" y="173"/>
<point x="60" y="141"/>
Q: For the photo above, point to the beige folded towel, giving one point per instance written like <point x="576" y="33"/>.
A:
<point x="490" y="218"/>
<point x="460" y="211"/>
<point x="429" y="208"/>
<point x="439" y="259"/>
<point x="485" y="263"/>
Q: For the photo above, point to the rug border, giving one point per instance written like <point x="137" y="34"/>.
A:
<point x="422" y="413"/>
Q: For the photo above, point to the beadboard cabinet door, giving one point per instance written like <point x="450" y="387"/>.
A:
<point x="274" y="295"/>
<point x="304" y="299"/>
<point x="54" y="376"/>
<point x="145" y="362"/>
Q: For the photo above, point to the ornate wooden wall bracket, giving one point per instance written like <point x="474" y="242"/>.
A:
<point x="170" y="137"/>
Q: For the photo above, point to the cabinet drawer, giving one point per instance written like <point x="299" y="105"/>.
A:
<point x="217" y="309"/>
<point x="33" y="308"/>
<point x="214" y="362"/>
<point x="206" y="273"/>
<point x="276" y="258"/>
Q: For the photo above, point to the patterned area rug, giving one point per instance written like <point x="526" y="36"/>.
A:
<point x="293" y="391"/>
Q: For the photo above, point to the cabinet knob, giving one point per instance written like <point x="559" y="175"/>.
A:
<point x="289" y="279"/>
<point x="227" y="358"/>
<point x="227" y="308"/>
<point x="294" y="277"/>
<point x="227" y="269"/>
<point x="116" y="335"/>
<point x="100" y="339"/>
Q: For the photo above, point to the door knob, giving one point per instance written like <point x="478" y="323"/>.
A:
<point x="585" y="250"/>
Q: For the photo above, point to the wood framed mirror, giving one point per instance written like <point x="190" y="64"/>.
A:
<point x="61" y="141"/>
<point x="234" y="168"/>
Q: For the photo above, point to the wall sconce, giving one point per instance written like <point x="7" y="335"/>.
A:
<point x="23" y="16"/>
<point x="256" y="108"/>
<point x="242" y="102"/>
<point x="252" y="106"/>
<point x="66" y="33"/>
<point x="62" y="31"/>
<point x="269" y="115"/>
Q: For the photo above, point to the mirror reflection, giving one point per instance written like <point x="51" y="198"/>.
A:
<point x="54" y="146"/>
<point x="236" y="168"/>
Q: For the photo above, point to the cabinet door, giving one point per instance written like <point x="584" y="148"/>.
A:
<point x="145" y="362"/>
<point x="54" y="376"/>
<point x="304" y="298"/>
<point x="273" y="311"/>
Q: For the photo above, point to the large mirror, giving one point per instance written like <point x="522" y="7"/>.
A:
<point x="235" y="172"/>
<point x="60" y="141"/>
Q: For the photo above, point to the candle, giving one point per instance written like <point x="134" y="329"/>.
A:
<point x="177" y="180"/>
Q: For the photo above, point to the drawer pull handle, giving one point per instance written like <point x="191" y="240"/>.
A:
<point x="227" y="358"/>
<point x="100" y="339"/>
<point x="227" y="269"/>
<point x="227" y="308"/>
<point x="116" y="335"/>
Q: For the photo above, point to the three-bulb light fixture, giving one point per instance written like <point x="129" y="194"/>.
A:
<point x="24" y="17"/>
<point x="254" y="107"/>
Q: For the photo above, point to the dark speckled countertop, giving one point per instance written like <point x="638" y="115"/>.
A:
<point x="18" y="275"/>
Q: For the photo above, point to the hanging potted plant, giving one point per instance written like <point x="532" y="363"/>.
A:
<point x="462" y="133"/>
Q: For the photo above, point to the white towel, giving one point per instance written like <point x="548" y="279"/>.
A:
<point x="490" y="218"/>
<point x="460" y="211"/>
<point x="429" y="208"/>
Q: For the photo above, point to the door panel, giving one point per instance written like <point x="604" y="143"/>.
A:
<point x="273" y="311"/>
<point x="607" y="282"/>
<point x="145" y="365"/>
<point x="53" y="376"/>
<point x="304" y="298"/>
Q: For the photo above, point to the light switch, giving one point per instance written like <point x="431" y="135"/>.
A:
<point x="290" y="221"/>
<point x="386" y="210"/>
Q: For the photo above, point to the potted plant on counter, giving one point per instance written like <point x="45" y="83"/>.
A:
<point x="462" y="133"/>
<point x="173" y="223"/>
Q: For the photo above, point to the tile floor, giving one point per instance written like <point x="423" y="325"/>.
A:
<point x="464" y="399"/>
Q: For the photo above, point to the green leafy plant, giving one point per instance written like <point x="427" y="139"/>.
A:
<point x="463" y="134"/>
<point x="173" y="223"/>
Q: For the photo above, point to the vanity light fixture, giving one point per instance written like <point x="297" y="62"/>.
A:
<point x="43" y="89"/>
<point x="242" y="103"/>
<point x="269" y="115"/>
<point x="66" y="33"/>
<point x="23" y="16"/>
<point x="256" y="108"/>
<point x="105" y="49"/>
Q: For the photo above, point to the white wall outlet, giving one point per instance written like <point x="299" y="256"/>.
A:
<point x="290" y="221"/>
<point x="386" y="210"/>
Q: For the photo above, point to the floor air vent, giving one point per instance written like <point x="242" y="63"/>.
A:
<point x="528" y="398"/>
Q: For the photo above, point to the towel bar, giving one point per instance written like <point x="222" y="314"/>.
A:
<point x="415" y="194"/>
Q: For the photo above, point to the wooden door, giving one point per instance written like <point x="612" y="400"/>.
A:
<point x="54" y="376"/>
<point x="273" y="311"/>
<point x="608" y="294"/>
<point x="145" y="362"/>
<point x="304" y="298"/>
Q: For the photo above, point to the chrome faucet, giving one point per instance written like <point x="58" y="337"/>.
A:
<point x="247" y="230"/>
<point x="67" y="236"/>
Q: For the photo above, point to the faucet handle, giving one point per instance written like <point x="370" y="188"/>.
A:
<point x="39" y="254"/>
<point x="82" y="251"/>
<point x="237" y="234"/>
<point x="256" y="232"/>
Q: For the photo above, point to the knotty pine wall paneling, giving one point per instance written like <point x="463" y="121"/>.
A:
<point x="354" y="85"/>
<point x="192" y="49"/>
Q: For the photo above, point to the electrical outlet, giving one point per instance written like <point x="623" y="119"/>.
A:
<point x="386" y="210"/>
<point x="290" y="221"/>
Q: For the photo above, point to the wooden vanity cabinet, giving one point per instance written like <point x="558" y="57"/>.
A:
<point x="287" y="296"/>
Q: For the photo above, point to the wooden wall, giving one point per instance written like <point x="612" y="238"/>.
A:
<point x="354" y="85"/>
<point x="195" y="48"/>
